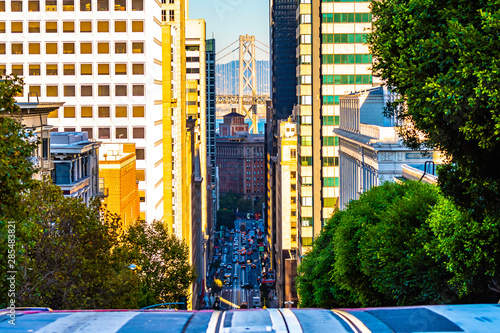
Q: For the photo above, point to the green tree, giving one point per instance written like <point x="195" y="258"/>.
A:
<point x="229" y="201"/>
<point x="469" y="250"/>
<point x="225" y="218"/>
<point x="162" y="262"/>
<point x="245" y="205"/>
<point x="67" y="260"/>
<point x="439" y="56"/>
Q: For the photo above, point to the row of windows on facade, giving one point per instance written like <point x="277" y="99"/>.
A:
<point x="327" y="202"/>
<point x="339" y="79"/>
<point x="255" y="179"/>
<point x="120" y="111"/>
<point x="326" y="161"/>
<point x="104" y="133"/>
<point x="18" y="27"/>
<point x="326" y="120"/>
<point x="69" y="48"/>
<point x="71" y="5"/>
<point x="255" y="172"/>
<point x="326" y="99"/>
<point x="88" y="90"/>
<point x="70" y="69"/>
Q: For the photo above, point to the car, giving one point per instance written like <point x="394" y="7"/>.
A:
<point x="229" y="267"/>
<point x="253" y="266"/>
<point x="235" y="276"/>
<point x="243" y="266"/>
<point x="235" y="260"/>
<point x="249" y="261"/>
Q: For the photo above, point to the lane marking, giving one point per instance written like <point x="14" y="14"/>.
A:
<point x="291" y="320"/>
<point x="86" y="322"/>
<point x="279" y="325"/>
<point x="356" y="324"/>
<point x="212" y="324"/>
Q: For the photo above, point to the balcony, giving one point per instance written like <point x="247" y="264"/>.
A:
<point x="103" y="191"/>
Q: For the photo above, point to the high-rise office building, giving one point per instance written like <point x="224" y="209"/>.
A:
<point x="184" y="134"/>
<point x="101" y="58"/>
<point x="283" y="24"/>
<point x="332" y="61"/>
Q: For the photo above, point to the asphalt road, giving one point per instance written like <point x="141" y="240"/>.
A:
<point x="234" y="292"/>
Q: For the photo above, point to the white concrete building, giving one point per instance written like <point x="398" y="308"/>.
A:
<point x="370" y="150"/>
<point x="102" y="58"/>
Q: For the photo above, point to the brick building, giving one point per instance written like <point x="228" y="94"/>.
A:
<point x="240" y="159"/>
<point x="233" y="123"/>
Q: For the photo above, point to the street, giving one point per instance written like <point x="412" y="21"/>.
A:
<point x="241" y="266"/>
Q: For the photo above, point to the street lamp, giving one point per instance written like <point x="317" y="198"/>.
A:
<point x="288" y="303"/>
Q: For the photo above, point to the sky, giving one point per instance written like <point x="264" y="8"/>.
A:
<point x="228" y="19"/>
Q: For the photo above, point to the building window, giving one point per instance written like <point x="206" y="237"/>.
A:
<point x="138" y="111"/>
<point x="103" y="90"/>
<point x="103" y="48"/>
<point x="103" y="111"/>
<point x="2" y="6"/>
<point x="35" y="90"/>
<point x="89" y="131"/>
<point x="121" y="112"/>
<point x="307" y="201"/>
<point x="137" y="26"/>
<point x="16" y="27"/>
<point x="17" y="48"/>
<point x="86" y="91"/>
<point x="138" y="69"/>
<point x="69" y="26"/>
<point x="171" y="15"/>
<point x="51" y="69"/>
<point x="102" y="5"/>
<point x="69" y="69"/>
<point x="16" y="6"/>
<point x="120" y="26"/>
<point x="33" y="5"/>
<point x="331" y="182"/>
<point x="50" y="48"/>
<point x="2" y="27"/>
<point x="137" y="5"/>
<point x="120" y="90"/>
<point x="103" y="69"/>
<point x="18" y="70"/>
<point x="51" y="5"/>
<point x="86" y="69"/>
<point x="120" y="47"/>
<point x="34" y="70"/>
<point x="68" y="48"/>
<point x="86" y="26"/>
<point x="138" y="133"/>
<point x="69" y="112"/>
<point x="86" y="112"/>
<point x="330" y="202"/>
<point x="85" y="5"/>
<point x="68" y="5"/>
<point x="102" y="26"/>
<point x="138" y="90"/>
<point x="34" y="27"/>
<point x="120" y="69"/>
<point x="306" y="241"/>
<point x="306" y="160"/>
<point x="69" y="91"/>
<point x="140" y="154"/>
<point x="104" y="133"/>
<point x="121" y="133"/>
<point x="54" y="114"/>
<point x="85" y="48"/>
<point x="34" y="48"/>
<point x="137" y="47"/>
<point x="51" y="27"/>
<point x="120" y="5"/>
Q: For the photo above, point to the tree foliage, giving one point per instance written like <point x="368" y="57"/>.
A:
<point x="225" y="218"/>
<point x="162" y="262"/>
<point x="16" y="147"/>
<point x="400" y="245"/>
<point x="439" y="56"/>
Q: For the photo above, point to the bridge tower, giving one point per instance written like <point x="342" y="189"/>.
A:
<point x="248" y="81"/>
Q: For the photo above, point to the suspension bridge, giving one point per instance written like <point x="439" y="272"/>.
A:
<point x="247" y="99"/>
